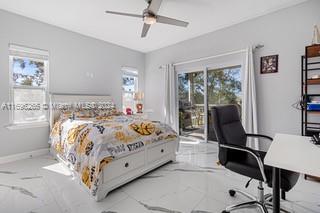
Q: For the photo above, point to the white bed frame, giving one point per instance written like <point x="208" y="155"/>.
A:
<point x="125" y="169"/>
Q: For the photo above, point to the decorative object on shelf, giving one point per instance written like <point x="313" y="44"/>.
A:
<point x="313" y="51"/>
<point x="315" y="77"/>
<point x="316" y="35"/>
<point x="314" y="80"/>
<point x="269" y="64"/>
<point x="313" y="103"/>
<point x="138" y="97"/>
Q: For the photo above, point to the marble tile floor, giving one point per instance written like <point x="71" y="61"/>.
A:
<point x="193" y="184"/>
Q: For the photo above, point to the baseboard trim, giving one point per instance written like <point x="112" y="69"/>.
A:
<point x="24" y="155"/>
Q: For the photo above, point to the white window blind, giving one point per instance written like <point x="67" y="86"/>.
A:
<point x="29" y="70"/>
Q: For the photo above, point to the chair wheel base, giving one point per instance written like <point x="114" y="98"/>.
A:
<point x="232" y="193"/>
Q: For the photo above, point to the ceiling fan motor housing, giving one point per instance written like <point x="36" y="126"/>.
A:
<point x="149" y="17"/>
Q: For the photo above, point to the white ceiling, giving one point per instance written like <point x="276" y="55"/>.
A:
<point x="88" y="17"/>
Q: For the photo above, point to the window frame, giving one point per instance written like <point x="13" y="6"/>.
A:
<point x="22" y="52"/>
<point x="129" y="72"/>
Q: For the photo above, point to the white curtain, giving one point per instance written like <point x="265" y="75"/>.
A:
<point x="249" y="104"/>
<point x="170" y="113"/>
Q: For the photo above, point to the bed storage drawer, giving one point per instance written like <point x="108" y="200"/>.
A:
<point x="124" y="165"/>
<point x="157" y="152"/>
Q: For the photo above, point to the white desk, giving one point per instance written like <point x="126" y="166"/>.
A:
<point x="294" y="153"/>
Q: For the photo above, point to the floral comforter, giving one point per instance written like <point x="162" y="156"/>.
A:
<point x="89" y="144"/>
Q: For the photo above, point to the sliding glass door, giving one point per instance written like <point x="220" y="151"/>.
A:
<point x="198" y="92"/>
<point x="191" y="96"/>
<point x="224" y="87"/>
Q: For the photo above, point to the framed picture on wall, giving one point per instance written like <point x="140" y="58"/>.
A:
<point x="269" y="64"/>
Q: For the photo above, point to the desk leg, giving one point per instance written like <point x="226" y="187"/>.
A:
<point x="276" y="190"/>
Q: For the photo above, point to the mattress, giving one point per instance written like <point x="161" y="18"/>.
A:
<point x="89" y="144"/>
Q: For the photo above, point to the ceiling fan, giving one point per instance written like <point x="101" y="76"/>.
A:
<point x="150" y="17"/>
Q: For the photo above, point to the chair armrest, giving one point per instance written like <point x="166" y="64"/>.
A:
<point x="259" y="136"/>
<point x="251" y="152"/>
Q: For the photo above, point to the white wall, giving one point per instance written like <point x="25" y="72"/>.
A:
<point x="71" y="56"/>
<point x="285" y="32"/>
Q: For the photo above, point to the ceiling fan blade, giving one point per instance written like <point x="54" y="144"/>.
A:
<point x="155" y="6"/>
<point x="167" y="20"/>
<point x="124" y="14"/>
<point x="145" y="30"/>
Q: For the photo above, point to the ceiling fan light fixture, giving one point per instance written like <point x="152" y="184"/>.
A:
<point x="150" y="16"/>
<point x="149" y="19"/>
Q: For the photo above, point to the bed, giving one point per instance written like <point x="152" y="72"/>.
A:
<point x="105" y="151"/>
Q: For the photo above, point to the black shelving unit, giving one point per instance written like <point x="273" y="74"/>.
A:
<point x="310" y="64"/>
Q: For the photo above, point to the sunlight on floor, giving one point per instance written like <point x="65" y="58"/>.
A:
<point x="58" y="168"/>
<point x="186" y="141"/>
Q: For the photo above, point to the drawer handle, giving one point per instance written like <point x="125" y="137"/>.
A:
<point x="126" y="165"/>
<point x="162" y="150"/>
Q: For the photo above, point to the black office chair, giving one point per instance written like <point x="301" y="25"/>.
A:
<point x="237" y="157"/>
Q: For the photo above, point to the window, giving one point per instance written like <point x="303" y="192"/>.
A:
<point x="28" y="82"/>
<point x="129" y="87"/>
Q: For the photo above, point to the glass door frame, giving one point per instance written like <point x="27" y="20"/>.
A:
<point x="205" y="117"/>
